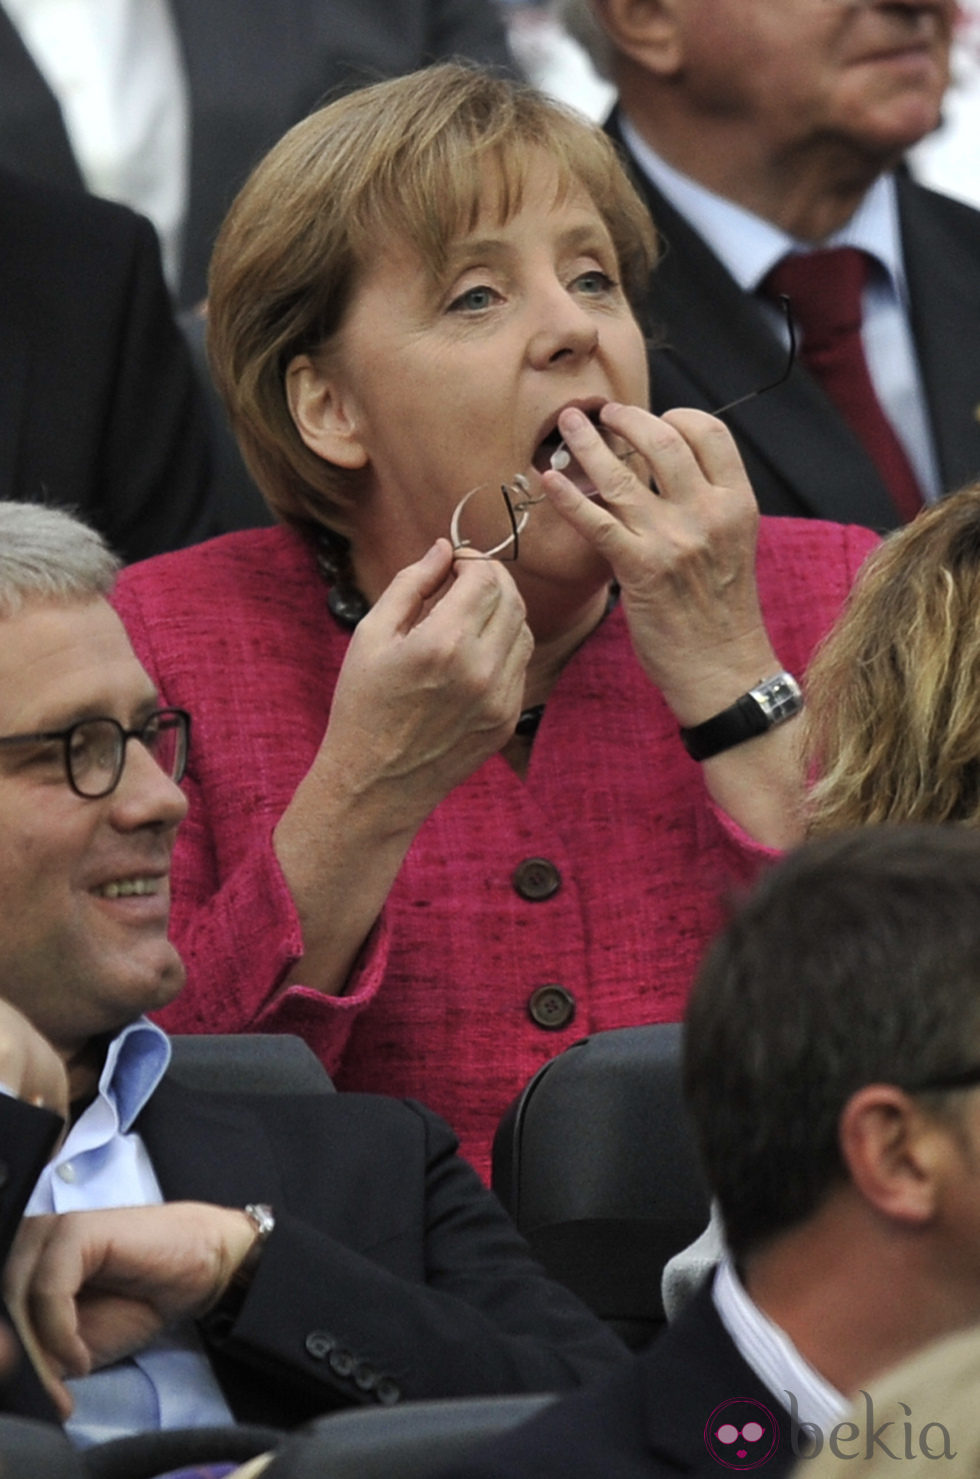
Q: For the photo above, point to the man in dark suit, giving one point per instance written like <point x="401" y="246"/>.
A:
<point x="260" y="1258"/>
<point x="764" y="129"/>
<point x="250" y="69"/>
<point x="100" y="408"/>
<point x="832" y="1062"/>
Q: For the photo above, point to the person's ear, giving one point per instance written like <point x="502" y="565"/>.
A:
<point x="896" y="1156"/>
<point x="649" y="32"/>
<point x="321" y="409"/>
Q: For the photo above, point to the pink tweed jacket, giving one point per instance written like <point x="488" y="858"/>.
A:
<point x="439" y="1006"/>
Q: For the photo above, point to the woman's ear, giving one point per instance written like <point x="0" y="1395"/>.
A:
<point x="320" y="408"/>
<point x="897" y="1157"/>
<point x="649" y="32"/>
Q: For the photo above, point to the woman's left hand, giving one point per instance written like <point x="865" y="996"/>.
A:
<point x="684" y="560"/>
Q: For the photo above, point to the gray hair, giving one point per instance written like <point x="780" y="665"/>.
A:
<point x="580" y="21"/>
<point x="49" y="555"/>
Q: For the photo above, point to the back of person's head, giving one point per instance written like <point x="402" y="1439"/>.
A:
<point x="854" y="962"/>
<point x="893" y="696"/>
<point x="49" y="555"/>
<point x="401" y="166"/>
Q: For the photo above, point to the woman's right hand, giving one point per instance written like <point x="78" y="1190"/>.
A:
<point x="431" y="687"/>
<point x="432" y="683"/>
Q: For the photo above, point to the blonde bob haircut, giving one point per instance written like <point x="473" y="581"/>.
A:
<point x="893" y="695"/>
<point x="404" y="161"/>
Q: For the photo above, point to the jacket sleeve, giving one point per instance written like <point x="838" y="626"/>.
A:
<point x="239" y="934"/>
<point x="27" y="1137"/>
<point x="795" y="645"/>
<point x="477" y="1315"/>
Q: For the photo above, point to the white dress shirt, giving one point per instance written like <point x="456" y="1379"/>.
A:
<point x="749" y="247"/>
<point x="103" y="1162"/>
<point x="116" y="69"/>
<point x="773" y="1356"/>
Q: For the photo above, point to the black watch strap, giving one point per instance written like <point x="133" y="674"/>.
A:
<point x="221" y="1317"/>
<point x="771" y="702"/>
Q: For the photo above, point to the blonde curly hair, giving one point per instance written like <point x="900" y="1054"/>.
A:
<point x="893" y="695"/>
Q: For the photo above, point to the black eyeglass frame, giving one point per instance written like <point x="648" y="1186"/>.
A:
<point x="161" y="719"/>
<point x="962" y="1078"/>
<point x="786" y="309"/>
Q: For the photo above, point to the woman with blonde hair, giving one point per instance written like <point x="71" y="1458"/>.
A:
<point x="486" y="729"/>
<point x="893" y="695"/>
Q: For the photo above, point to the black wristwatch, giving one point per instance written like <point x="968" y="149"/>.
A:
<point x="770" y="702"/>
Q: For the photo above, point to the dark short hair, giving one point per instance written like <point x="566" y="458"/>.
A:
<point x="856" y="961"/>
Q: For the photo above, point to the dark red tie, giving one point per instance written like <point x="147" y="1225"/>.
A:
<point x="824" y="289"/>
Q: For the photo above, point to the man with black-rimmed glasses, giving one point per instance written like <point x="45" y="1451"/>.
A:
<point x="190" y="1259"/>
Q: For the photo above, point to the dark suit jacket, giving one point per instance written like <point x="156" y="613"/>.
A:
<point x="27" y="1137"/>
<point x="391" y="1272"/>
<point x="649" y="1420"/>
<point x="100" y="409"/>
<point x="801" y="456"/>
<point x="254" y="68"/>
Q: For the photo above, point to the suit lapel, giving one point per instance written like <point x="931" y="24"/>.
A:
<point x="207" y="1149"/>
<point x="33" y="129"/>
<point x="249" y="77"/>
<point x="943" y="267"/>
<point x="717" y="346"/>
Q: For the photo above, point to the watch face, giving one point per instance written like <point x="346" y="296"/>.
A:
<point x="779" y="697"/>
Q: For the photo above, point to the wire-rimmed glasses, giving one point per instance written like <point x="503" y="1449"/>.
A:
<point x="94" y="750"/>
<point x="516" y="494"/>
<point x="517" y="505"/>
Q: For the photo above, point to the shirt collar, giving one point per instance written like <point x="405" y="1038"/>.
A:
<point x="137" y="1059"/>
<point x="772" y="1355"/>
<point x="749" y="246"/>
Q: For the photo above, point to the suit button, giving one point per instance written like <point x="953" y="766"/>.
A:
<point x="341" y="1363"/>
<point x="319" y="1344"/>
<point x="536" y="879"/>
<point x="388" y="1392"/>
<point x="551" y="1007"/>
<point x="365" y="1377"/>
<point x="4" y="1173"/>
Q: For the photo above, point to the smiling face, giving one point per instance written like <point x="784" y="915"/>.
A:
<point x="436" y="387"/>
<point x="78" y="956"/>
<point x="864" y="77"/>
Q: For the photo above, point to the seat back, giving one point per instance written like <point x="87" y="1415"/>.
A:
<point x="595" y="1162"/>
<point x="30" y="1449"/>
<point x="411" y="1441"/>
<point x="248" y="1063"/>
<point x="154" y="1454"/>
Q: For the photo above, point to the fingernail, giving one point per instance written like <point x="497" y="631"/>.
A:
<point x="572" y="420"/>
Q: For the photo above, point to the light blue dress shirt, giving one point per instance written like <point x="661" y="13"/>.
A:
<point x="104" y="1163"/>
<point x="749" y="247"/>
